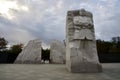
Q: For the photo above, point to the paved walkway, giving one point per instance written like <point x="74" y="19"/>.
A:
<point x="55" y="72"/>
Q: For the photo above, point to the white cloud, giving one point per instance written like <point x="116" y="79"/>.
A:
<point x="45" y="19"/>
<point x="20" y="35"/>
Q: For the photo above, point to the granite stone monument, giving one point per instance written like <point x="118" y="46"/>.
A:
<point x="81" y="52"/>
<point x="57" y="52"/>
<point x="31" y="54"/>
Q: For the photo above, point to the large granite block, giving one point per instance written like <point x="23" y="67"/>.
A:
<point x="57" y="52"/>
<point x="31" y="54"/>
<point x="81" y="52"/>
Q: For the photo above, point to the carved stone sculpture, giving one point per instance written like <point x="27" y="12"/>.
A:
<point x="57" y="52"/>
<point x="81" y="53"/>
<point x="31" y="54"/>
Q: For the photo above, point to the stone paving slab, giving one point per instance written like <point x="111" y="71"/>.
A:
<point x="55" y="72"/>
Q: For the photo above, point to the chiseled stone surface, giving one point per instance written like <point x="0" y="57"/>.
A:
<point x="55" y="72"/>
<point x="81" y="53"/>
<point x="31" y="53"/>
<point x="57" y="52"/>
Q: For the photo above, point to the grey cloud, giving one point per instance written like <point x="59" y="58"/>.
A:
<point x="45" y="19"/>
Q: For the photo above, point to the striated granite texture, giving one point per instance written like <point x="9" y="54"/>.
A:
<point x="31" y="53"/>
<point x="81" y="53"/>
<point x="57" y="52"/>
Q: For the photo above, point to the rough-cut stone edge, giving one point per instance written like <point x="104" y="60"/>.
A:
<point x="68" y="62"/>
<point x="61" y="44"/>
<point x="17" y="61"/>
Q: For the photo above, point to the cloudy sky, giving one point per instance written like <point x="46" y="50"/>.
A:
<point x="24" y="20"/>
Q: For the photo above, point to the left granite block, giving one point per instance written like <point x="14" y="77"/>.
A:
<point x="31" y="53"/>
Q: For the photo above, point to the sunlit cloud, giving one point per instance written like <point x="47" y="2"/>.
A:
<point x="24" y="8"/>
<point x="7" y="6"/>
<point x="24" y="20"/>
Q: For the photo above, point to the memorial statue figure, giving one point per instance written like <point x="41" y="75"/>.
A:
<point x="81" y="52"/>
